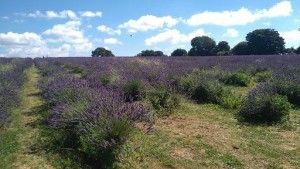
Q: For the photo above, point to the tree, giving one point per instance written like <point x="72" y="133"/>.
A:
<point x="202" y="46"/>
<point x="289" y="51"/>
<point x="179" y="52"/>
<point x="297" y="50"/>
<point x="241" y="48"/>
<point x="222" y="48"/>
<point x="151" y="53"/>
<point x="102" y="52"/>
<point x="265" y="42"/>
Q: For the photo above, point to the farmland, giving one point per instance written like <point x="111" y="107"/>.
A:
<point x="150" y="112"/>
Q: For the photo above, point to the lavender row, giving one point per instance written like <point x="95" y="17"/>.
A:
<point x="11" y="80"/>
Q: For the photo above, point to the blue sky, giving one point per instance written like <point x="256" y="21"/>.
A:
<point x="74" y="28"/>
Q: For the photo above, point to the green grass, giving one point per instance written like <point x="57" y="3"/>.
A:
<point x="208" y="136"/>
<point x="8" y="142"/>
<point x="6" y="67"/>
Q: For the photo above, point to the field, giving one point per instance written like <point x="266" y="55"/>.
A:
<point x="150" y="112"/>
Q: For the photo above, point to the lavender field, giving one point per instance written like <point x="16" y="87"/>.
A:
<point x="151" y="112"/>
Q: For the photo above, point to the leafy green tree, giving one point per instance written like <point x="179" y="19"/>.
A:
<point x="179" y="52"/>
<point x="288" y="51"/>
<point x="265" y="42"/>
<point x="222" y="48"/>
<point x="202" y="46"/>
<point x="102" y="52"/>
<point x="151" y="53"/>
<point x="241" y="48"/>
<point x="297" y="50"/>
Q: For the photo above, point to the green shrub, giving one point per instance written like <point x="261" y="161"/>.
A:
<point x="163" y="100"/>
<point x="104" y="136"/>
<point x="230" y="101"/>
<point x="263" y="76"/>
<point x="289" y="89"/>
<point x="134" y="90"/>
<point x="208" y="92"/>
<point x="263" y="105"/>
<point x="237" y="79"/>
<point x="105" y="80"/>
<point x="187" y="84"/>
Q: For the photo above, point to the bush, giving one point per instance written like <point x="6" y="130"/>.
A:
<point x="104" y="136"/>
<point x="230" y="101"/>
<point x="263" y="76"/>
<point x="105" y="80"/>
<point x="289" y="89"/>
<point x="208" y="92"/>
<point x="163" y="100"/>
<point x="179" y="52"/>
<point x="238" y="79"/>
<point x="134" y="90"/>
<point x="263" y="105"/>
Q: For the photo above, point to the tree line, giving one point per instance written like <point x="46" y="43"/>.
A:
<point x="258" y="42"/>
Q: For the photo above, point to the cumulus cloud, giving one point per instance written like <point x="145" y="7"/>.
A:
<point x="53" y="14"/>
<point x="108" y="30"/>
<point x="60" y="40"/>
<point x="173" y="36"/>
<point x="242" y="16"/>
<point x="292" y="37"/>
<point x="70" y="33"/>
<point x="231" y="33"/>
<point x="28" y="44"/>
<point x="112" y="41"/>
<point x="20" y="39"/>
<point x="149" y="22"/>
<point x="91" y="14"/>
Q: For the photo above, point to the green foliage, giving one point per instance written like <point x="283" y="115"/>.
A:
<point x="94" y="137"/>
<point x="208" y="92"/>
<point x="230" y="101"/>
<point x="102" y="52"/>
<point x="289" y="89"/>
<point x="163" y="100"/>
<point x="241" y="48"/>
<point x="265" y="42"/>
<point x="179" y="52"/>
<point x="266" y="108"/>
<point x="151" y="53"/>
<point x="105" y="80"/>
<point x="297" y="50"/>
<point x="223" y="53"/>
<point x="222" y="49"/>
<point x="237" y="79"/>
<point x="263" y="76"/>
<point x="75" y="70"/>
<point x="202" y="46"/>
<point x="134" y="90"/>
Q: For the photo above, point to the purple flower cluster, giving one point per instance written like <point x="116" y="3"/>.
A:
<point x="11" y="80"/>
<point x="81" y="109"/>
<point x="92" y="108"/>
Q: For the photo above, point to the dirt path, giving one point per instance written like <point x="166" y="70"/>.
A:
<point x="28" y="123"/>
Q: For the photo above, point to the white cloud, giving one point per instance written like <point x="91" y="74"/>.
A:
<point x="20" y="39"/>
<point x="231" y="33"/>
<point x="5" y="17"/>
<point x="53" y="14"/>
<point x="112" y="41"/>
<point x="292" y="38"/>
<point x="242" y="16"/>
<point x="70" y="33"/>
<point x="28" y="44"/>
<point x="149" y="22"/>
<point x="91" y="14"/>
<point x="108" y="30"/>
<point x="173" y="36"/>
